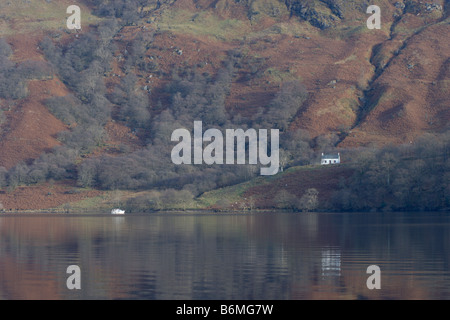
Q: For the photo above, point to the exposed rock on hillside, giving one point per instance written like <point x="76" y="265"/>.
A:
<point x="321" y="14"/>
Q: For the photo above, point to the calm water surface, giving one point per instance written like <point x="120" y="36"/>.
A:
<point x="197" y="256"/>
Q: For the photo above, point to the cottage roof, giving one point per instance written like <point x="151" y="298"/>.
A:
<point x="330" y="156"/>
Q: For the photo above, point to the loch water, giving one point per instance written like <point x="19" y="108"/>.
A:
<point x="276" y="255"/>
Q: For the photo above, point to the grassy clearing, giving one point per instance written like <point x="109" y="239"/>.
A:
<point x="231" y="194"/>
<point x="291" y="28"/>
<point x="203" y="24"/>
<point x="104" y="202"/>
<point x="208" y="24"/>
<point x="277" y="76"/>
<point x="235" y="193"/>
<point x="348" y="59"/>
<point x="94" y="204"/>
<point x="18" y="17"/>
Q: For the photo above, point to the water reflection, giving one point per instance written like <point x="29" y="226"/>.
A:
<point x="260" y="256"/>
<point x="331" y="262"/>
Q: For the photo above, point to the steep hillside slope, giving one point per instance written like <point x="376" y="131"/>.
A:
<point x="365" y="87"/>
<point x="408" y="94"/>
<point x="345" y="66"/>
<point x="32" y="129"/>
<point x="29" y="129"/>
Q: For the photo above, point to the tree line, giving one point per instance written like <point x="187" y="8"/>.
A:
<point x="414" y="177"/>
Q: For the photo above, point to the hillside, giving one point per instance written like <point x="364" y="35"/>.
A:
<point x="274" y="193"/>
<point x="109" y="108"/>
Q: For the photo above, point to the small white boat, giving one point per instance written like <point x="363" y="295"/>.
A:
<point x="117" y="211"/>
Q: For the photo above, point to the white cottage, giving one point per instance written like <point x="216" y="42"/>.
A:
<point x="330" y="158"/>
